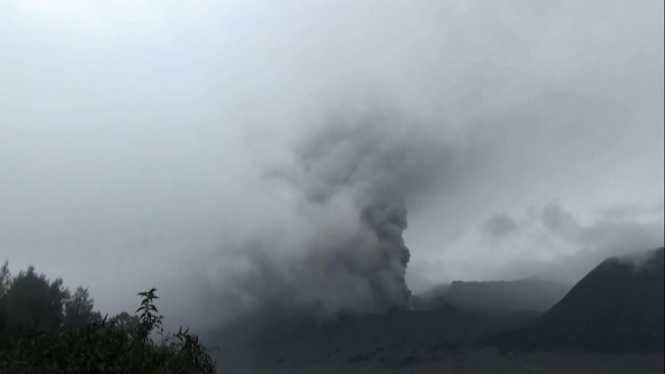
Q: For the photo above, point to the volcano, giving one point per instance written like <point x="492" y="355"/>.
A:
<point x="616" y="308"/>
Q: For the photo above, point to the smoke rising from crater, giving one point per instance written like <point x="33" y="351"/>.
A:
<point x="349" y="181"/>
<point x="136" y="162"/>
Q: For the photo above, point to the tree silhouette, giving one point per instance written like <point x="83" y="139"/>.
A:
<point x="124" y="321"/>
<point x="34" y="302"/>
<point x="5" y="282"/>
<point x="44" y="328"/>
<point x="78" y="311"/>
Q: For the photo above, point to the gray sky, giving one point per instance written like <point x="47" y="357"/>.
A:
<point x="140" y="140"/>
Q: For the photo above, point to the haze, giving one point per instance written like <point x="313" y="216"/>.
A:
<point x="164" y="144"/>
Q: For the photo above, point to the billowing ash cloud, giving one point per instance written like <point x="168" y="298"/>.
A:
<point x="571" y="247"/>
<point x="349" y="182"/>
<point x="373" y="162"/>
<point x="388" y="221"/>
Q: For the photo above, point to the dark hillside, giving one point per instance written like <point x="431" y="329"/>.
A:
<point x="521" y="295"/>
<point x="618" y="307"/>
<point x="293" y="337"/>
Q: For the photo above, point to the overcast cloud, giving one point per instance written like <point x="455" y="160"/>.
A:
<point x="164" y="143"/>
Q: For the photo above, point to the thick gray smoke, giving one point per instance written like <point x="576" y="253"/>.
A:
<point x="387" y="282"/>
<point x="372" y="162"/>
<point x="349" y="182"/>
<point x="361" y="267"/>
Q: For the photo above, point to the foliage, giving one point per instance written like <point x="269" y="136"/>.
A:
<point x="78" y="310"/>
<point x="67" y="336"/>
<point x="5" y="282"/>
<point x="34" y="302"/>
<point x="125" y="322"/>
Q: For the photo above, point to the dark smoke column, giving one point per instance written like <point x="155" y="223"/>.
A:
<point x="360" y="168"/>
<point x="388" y="283"/>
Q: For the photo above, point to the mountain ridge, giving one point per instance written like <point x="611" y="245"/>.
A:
<point x="617" y="308"/>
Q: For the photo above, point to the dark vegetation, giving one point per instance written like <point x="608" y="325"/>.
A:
<point x="45" y="328"/>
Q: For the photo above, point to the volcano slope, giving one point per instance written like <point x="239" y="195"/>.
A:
<point x="520" y="295"/>
<point x="288" y="337"/>
<point x="616" y="308"/>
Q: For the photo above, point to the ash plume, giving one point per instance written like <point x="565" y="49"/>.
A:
<point x="372" y="162"/>
<point x="388" y="221"/>
<point x="350" y="181"/>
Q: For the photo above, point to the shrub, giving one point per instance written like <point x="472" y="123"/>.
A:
<point x="106" y="346"/>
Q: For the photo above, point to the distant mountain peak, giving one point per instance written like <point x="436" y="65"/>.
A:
<point x="617" y="307"/>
